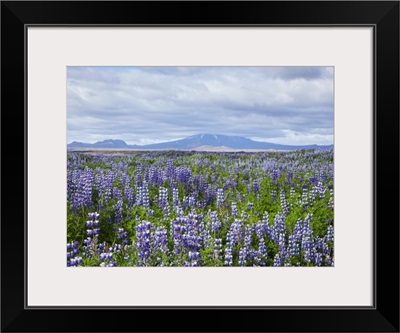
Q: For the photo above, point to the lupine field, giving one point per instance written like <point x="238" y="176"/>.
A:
<point x="183" y="208"/>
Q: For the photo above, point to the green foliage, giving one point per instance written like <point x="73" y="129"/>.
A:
<point x="76" y="224"/>
<point x="94" y="261"/>
<point x="209" y="258"/>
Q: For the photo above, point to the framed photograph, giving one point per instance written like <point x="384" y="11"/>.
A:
<point x="227" y="163"/>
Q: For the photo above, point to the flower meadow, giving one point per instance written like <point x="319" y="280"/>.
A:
<point x="187" y="208"/>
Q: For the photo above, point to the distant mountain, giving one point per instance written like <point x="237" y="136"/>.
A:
<point x="199" y="142"/>
<point x="101" y="144"/>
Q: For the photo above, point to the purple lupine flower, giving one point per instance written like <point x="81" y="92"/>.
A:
<point x="284" y="206"/>
<point x="329" y="235"/>
<point x="304" y="198"/>
<point x="192" y="201"/>
<point x="233" y="237"/>
<point x="75" y="247"/>
<point x="268" y="230"/>
<point x="122" y="236"/>
<point x="142" y="196"/>
<point x="87" y="241"/>
<point x="128" y="193"/>
<point x="289" y="176"/>
<point x="298" y="231"/>
<point x="279" y="227"/>
<point x="215" y="224"/>
<point x="94" y="216"/>
<point x="160" y="245"/>
<point x="93" y="234"/>
<point x="163" y="202"/>
<point x="185" y="202"/>
<point x="317" y="259"/>
<point x="104" y="184"/>
<point x="234" y="211"/>
<point x="319" y="189"/>
<point x="194" y="258"/>
<point x="277" y="260"/>
<point x="282" y="244"/>
<point x="171" y="171"/>
<point x="143" y="242"/>
<point x="116" y="248"/>
<point x="81" y="183"/>
<point x="175" y="198"/>
<point x="260" y="230"/>
<point x="209" y="195"/>
<point x="118" y="209"/>
<point x="205" y="238"/>
<point x="248" y="232"/>
<point x="145" y="196"/>
<point x="307" y="242"/>
<point x="242" y="256"/>
<point x="139" y="196"/>
<point x="262" y="252"/>
<point x="329" y="261"/>
<point x="228" y="256"/>
<point x="106" y="256"/>
<point x="318" y="243"/>
<point x="166" y="212"/>
<point x="108" y="264"/>
<point x="220" y="197"/>
<point x="330" y="202"/>
<point x="275" y="175"/>
<point x="75" y="261"/>
<point x="163" y="197"/>
<point x="312" y="196"/>
<point x="72" y="254"/>
<point x="292" y="191"/>
<point x="217" y="248"/>
<point x="178" y="227"/>
<point x="138" y="175"/>
<point x="235" y="232"/>
<point x="325" y="249"/>
<point x="191" y="240"/>
<point x="293" y="247"/>
<point x="87" y="186"/>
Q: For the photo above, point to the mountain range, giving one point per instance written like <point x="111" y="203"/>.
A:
<point x="198" y="142"/>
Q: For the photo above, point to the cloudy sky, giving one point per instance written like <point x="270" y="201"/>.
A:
<point x="141" y="105"/>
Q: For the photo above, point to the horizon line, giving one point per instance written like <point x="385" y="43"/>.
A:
<point x="190" y="136"/>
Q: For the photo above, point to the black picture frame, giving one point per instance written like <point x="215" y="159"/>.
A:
<point x="383" y="316"/>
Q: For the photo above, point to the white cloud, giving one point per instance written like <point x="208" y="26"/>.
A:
<point x="297" y="138"/>
<point x="152" y="104"/>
